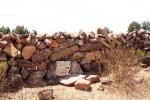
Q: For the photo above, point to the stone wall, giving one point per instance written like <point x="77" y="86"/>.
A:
<point x="36" y="57"/>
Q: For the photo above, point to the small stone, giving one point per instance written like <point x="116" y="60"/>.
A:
<point x="93" y="78"/>
<point x="83" y="84"/>
<point x="101" y="88"/>
<point x="105" y="80"/>
<point x="46" y="94"/>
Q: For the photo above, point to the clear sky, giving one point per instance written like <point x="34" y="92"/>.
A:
<point x="48" y="16"/>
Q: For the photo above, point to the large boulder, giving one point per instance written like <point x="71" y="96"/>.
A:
<point x="63" y="53"/>
<point x="28" y="51"/>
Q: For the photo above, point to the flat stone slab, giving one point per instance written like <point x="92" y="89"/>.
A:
<point x="70" y="80"/>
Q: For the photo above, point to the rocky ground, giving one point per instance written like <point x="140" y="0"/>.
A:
<point x="61" y="92"/>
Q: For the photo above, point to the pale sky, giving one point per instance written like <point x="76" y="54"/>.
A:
<point x="48" y="16"/>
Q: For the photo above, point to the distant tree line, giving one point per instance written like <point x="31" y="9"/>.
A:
<point x="18" y="29"/>
<point x="134" y="26"/>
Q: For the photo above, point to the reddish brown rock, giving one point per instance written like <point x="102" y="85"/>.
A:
<point x="90" y="46"/>
<point x="46" y="94"/>
<point x="90" y="56"/>
<point x="3" y="43"/>
<point x="79" y="42"/>
<point x="60" y="39"/>
<point x="64" y="45"/>
<point x="86" y="67"/>
<point x="78" y="56"/>
<point x="47" y="42"/>
<point x="41" y="37"/>
<point x="56" y="49"/>
<point x="93" y="78"/>
<point x="35" y="78"/>
<point x="28" y="51"/>
<point x="93" y="40"/>
<point x="71" y="42"/>
<point x="54" y="44"/>
<point x="24" y="64"/>
<point x="97" y="54"/>
<point x="10" y="50"/>
<point x="83" y="84"/>
<point x="3" y="57"/>
<point x="63" y="53"/>
<point x="40" y="45"/>
<point x="42" y="55"/>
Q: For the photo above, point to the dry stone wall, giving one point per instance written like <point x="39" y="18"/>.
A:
<point x="35" y="57"/>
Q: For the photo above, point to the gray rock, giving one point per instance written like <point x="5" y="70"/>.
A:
<point x="75" y="68"/>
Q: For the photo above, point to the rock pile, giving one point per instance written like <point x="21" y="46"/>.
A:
<point x="137" y="39"/>
<point x="34" y="57"/>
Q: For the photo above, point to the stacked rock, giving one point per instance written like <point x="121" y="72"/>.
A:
<point x="35" y="56"/>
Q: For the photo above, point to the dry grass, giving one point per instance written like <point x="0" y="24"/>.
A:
<point x="122" y="65"/>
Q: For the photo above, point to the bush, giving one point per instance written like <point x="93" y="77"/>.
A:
<point x="122" y="65"/>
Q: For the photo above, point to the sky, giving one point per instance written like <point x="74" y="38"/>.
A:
<point x="49" y="16"/>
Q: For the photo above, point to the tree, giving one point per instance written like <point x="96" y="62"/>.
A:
<point x="134" y="26"/>
<point x="5" y="30"/>
<point x="21" y="30"/>
<point x="146" y="25"/>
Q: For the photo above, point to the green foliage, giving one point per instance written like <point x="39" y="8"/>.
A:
<point x="21" y="30"/>
<point x="134" y="26"/>
<point x="139" y="52"/>
<point x="146" y="25"/>
<point x="5" y="30"/>
<point x="3" y="65"/>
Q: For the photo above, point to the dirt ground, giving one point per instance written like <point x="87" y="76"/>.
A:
<point x="70" y="93"/>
